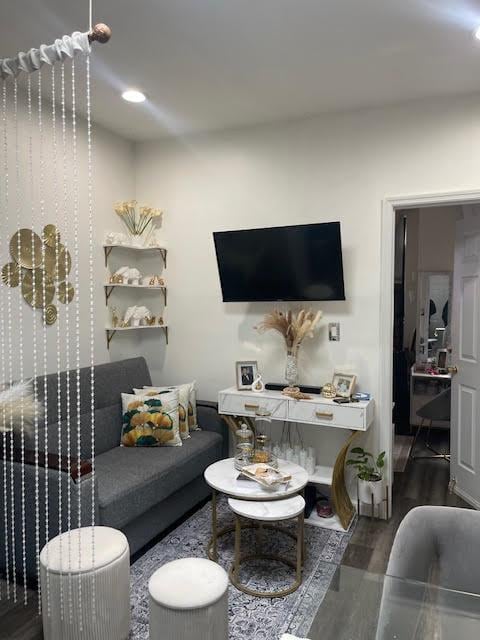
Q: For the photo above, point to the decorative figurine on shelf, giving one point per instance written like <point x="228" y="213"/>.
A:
<point x="115" y="237"/>
<point x="329" y="390"/>
<point x="160" y="320"/>
<point x="156" y="281"/>
<point x="135" y="315"/>
<point x="258" y="385"/>
<point x="150" y="322"/>
<point x="134" y="276"/>
<point x="115" y="317"/>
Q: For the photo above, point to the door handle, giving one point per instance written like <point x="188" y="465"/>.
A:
<point x="452" y="370"/>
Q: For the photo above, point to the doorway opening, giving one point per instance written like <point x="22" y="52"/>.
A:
<point x="430" y="305"/>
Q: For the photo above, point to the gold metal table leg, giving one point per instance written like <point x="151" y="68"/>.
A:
<point x="214" y="551"/>
<point x="341" y="500"/>
<point x="238" y="559"/>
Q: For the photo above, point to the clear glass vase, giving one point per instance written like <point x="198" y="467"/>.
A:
<point x="291" y="368"/>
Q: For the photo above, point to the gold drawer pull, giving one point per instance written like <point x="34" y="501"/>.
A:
<point x="324" y="414"/>
<point x="251" y="407"/>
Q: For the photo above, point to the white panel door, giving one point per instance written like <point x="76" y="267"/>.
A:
<point x="465" y="422"/>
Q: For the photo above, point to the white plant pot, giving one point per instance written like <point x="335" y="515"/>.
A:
<point x="369" y="488"/>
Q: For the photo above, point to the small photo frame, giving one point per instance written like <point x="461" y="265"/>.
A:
<point x="344" y="384"/>
<point x="246" y="373"/>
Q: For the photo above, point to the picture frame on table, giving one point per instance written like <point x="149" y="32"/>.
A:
<point x="246" y="372"/>
<point x="344" y="384"/>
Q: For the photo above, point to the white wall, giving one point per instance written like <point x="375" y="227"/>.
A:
<point x="436" y="238"/>
<point x="114" y="180"/>
<point x="430" y="247"/>
<point x="336" y="167"/>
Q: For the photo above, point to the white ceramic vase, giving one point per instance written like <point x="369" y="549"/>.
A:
<point x="138" y="241"/>
<point x="369" y="488"/>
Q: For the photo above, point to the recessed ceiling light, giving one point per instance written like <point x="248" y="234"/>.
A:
<point x="132" y="95"/>
<point x="477" y="33"/>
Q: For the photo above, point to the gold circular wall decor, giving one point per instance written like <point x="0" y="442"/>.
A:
<point x="51" y="235"/>
<point x="11" y="274"/>
<point x="65" y="292"/>
<point x="61" y="270"/>
<point x="38" y="280"/>
<point x="50" y="314"/>
<point x="26" y="248"/>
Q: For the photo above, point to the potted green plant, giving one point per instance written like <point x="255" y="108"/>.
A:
<point x="370" y="474"/>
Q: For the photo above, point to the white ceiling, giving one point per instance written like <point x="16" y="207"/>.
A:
<point x="211" y="64"/>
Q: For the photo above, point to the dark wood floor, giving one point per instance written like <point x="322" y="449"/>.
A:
<point x="349" y="610"/>
<point x="341" y="616"/>
<point x="424" y="482"/>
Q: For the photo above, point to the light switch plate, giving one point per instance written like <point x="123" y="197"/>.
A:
<point x="334" y="331"/>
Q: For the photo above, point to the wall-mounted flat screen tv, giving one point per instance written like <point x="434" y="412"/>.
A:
<point x="300" y="262"/>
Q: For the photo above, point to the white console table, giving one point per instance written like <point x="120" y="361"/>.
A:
<point x="318" y="411"/>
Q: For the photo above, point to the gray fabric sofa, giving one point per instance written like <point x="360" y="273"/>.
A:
<point x="434" y="564"/>
<point x="140" y="491"/>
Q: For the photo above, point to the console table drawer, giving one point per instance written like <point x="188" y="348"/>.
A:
<point x="247" y="405"/>
<point x="327" y="414"/>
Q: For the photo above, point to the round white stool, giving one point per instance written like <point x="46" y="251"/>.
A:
<point x="265" y="513"/>
<point x="86" y="596"/>
<point x="189" y="601"/>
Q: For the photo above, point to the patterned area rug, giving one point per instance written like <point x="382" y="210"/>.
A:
<point x="250" y="618"/>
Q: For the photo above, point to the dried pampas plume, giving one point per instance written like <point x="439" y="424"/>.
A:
<point x="17" y="404"/>
<point x="293" y="327"/>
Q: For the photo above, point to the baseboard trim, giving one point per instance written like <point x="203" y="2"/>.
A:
<point x="464" y="495"/>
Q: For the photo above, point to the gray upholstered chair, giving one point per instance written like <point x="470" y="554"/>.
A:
<point x="437" y="546"/>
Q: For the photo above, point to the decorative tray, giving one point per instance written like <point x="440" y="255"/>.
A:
<point x="265" y="475"/>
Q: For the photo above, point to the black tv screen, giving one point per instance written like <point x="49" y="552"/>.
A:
<point x="301" y="262"/>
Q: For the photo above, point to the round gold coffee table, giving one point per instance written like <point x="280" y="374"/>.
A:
<point x="222" y="477"/>
<point x="263" y="514"/>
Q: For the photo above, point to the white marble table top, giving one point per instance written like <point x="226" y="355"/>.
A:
<point x="222" y="476"/>
<point x="271" y="511"/>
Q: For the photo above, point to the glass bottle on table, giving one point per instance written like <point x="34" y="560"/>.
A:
<point x="244" y="455"/>
<point x="263" y="452"/>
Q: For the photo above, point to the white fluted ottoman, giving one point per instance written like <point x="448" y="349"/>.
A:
<point x="189" y="601"/>
<point x="74" y="576"/>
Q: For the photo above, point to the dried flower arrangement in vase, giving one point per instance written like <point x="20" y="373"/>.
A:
<point x="294" y="327"/>
<point x="140" y="224"/>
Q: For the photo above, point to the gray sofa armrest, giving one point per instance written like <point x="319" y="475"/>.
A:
<point x="52" y="481"/>
<point x="210" y="420"/>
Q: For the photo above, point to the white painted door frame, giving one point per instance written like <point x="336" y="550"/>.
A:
<point x="387" y="260"/>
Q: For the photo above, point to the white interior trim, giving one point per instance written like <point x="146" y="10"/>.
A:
<point x="387" y="260"/>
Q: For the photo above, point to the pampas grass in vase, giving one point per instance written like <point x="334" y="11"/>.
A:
<point x="294" y="327"/>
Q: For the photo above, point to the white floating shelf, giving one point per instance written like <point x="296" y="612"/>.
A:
<point x="141" y="326"/>
<point x="107" y="248"/>
<point x="134" y="286"/>
<point x="332" y="523"/>
<point x="111" y="331"/>
<point x="130" y="246"/>
<point x="322" y="475"/>
<point x="110" y="286"/>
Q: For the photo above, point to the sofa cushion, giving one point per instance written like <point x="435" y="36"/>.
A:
<point x="132" y="480"/>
